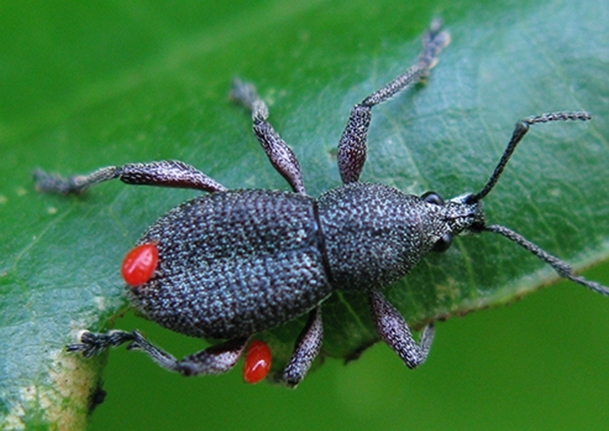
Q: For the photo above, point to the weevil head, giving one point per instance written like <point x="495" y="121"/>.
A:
<point x="473" y="221"/>
<point x="447" y="219"/>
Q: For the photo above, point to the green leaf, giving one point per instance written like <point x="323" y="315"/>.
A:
<point x="85" y="86"/>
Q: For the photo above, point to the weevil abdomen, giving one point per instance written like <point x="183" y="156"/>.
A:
<point x="234" y="263"/>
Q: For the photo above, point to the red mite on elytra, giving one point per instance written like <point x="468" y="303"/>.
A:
<point x="139" y="264"/>
<point x="233" y="263"/>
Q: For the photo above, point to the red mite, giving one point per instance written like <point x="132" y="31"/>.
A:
<point x="139" y="264"/>
<point x="257" y="362"/>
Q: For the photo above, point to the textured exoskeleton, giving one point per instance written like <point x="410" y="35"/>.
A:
<point x="236" y="262"/>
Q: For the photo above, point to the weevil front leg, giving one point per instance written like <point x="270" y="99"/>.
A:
<point x="394" y="330"/>
<point x="306" y="350"/>
<point x="280" y="155"/>
<point x="352" y="144"/>
<point x="213" y="360"/>
<point x="165" y="173"/>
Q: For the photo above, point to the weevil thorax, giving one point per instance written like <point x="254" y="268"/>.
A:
<point x="374" y="234"/>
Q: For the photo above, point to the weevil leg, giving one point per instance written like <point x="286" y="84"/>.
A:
<point x="394" y="330"/>
<point x="281" y="156"/>
<point x="306" y="350"/>
<point x="165" y="173"/>
<point x="92" y="343"/>
<point x="216" y="359"/>
<point x="352" y="145"/>
<point x="213" y="360"/>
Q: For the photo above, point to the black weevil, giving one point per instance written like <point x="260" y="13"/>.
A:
<point x="236" y="262"/>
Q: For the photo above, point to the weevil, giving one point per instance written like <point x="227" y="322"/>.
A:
<point x="231" y="263"/>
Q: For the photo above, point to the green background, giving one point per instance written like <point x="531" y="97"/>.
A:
<point x="84" y="85"/>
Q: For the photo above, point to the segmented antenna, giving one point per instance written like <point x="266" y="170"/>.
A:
<point x="521" y="129"/>
<point x="562" y="268"/>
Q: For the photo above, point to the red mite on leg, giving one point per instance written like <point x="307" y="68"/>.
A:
<point x="257" y="362"/>
<point x="139" y="264"/>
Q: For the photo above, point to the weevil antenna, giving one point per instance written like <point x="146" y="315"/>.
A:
<point x="562" y="268"/>
<point x="521" y="129"/>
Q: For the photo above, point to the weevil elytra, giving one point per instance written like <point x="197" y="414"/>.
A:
<point x="232" y="263"/>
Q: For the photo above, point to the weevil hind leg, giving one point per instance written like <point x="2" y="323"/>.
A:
<point x="280" y="155"/>
<point x="352" y="146"/>
<point x="165" y="173"/>
<point x="216" y="359"/>
<point x="306" y="350"/>
<point x="394" y="330"/>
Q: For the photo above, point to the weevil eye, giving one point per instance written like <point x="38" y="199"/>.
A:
<point x="432" y="198"/>
<point x="443" y="243"/>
